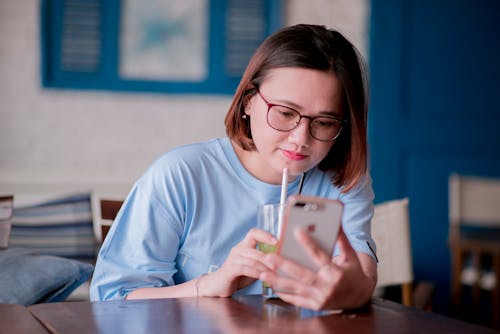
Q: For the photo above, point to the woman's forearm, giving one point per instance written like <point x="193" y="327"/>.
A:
<point x="186" y="289"/>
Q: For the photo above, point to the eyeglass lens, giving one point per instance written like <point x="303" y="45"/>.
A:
<point x="321" y="128"/>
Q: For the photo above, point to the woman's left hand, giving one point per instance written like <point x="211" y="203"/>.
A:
<point x="344" y="282"/>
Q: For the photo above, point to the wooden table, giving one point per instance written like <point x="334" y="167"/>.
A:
<point x="247" y="314"/>
<point x="17" y="319"/>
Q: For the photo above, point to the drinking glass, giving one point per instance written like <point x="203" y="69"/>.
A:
<point x="268" y="220"/>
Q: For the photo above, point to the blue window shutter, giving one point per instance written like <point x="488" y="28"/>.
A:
<point x="80" y="45"/>
<point x="245" y="28"/>
<point x="81" y="36"/>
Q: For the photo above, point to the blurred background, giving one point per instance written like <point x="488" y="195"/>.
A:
<point x="91" y="110"/>
<point x="107" y="136"/>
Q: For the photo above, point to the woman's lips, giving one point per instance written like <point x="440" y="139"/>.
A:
<point x="292" y="155"/>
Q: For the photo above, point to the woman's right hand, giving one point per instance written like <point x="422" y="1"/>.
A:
<point x="242" y="267"/>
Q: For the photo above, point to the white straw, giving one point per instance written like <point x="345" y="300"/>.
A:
<point x="284" y="186"/>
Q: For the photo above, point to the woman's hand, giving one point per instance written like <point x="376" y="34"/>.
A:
<point x="242" y="267"/>
<point x="347" y="281"/>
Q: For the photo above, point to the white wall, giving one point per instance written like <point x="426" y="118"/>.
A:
<point x="350" y="17"/>
<point x="79" y="140"/>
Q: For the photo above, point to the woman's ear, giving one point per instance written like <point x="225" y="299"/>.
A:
<point x="247" y="109"/>
<point x="248" y="101"/>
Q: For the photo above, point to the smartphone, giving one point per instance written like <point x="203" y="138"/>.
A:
<point x="320" y="217"/>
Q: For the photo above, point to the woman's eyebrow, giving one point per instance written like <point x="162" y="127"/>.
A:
<point x="330" y="114"/>
<point x="293" y="105"/>
<point x="287" y="103"/>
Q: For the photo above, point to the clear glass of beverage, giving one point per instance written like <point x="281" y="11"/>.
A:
<point x="268" y="220"/>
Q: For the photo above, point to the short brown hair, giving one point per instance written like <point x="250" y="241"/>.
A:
<point x="319" y="48"/>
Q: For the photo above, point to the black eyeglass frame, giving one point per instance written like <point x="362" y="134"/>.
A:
<point x="341" y="121"/>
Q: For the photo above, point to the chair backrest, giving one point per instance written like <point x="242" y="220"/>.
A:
<point x="391" y="232"/>
<point x="6" y="207"/>
<point x="6" y="210"/>
<point x="109" y="210"/>
<point x="104" y="210"/>
<point x="474" y="201"/>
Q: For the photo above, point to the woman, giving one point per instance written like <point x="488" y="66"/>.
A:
<point x="187" y="227"/>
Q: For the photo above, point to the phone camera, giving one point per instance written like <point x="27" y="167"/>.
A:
<point x="311" y="207"/>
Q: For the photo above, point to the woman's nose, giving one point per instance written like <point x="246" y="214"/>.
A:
<point x="300" y="135"/>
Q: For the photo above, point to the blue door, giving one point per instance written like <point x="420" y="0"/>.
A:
<point x="435" y="109"/>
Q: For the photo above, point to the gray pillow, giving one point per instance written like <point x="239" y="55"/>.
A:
<point x="28" y="278"/>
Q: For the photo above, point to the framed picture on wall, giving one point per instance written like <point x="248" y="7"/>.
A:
<point x="165" y="40"/>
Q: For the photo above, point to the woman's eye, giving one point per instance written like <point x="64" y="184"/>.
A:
<point x="285" y="112"/>
<point x="325" y="123"/>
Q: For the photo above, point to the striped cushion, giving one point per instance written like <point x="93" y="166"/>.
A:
<point x="61" y="227"/>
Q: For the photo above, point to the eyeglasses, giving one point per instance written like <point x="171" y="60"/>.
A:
<point x="322" y="128"/>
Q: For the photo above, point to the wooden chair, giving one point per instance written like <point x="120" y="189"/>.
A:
<point x="391" y="232"/>
<point x="474" y="235"/>
<point x="104" y="210"/>
<point x="109" y="210"/>
<point x="6" y="210"/>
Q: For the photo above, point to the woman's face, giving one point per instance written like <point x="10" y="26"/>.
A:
<point x="311" y="93"/>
